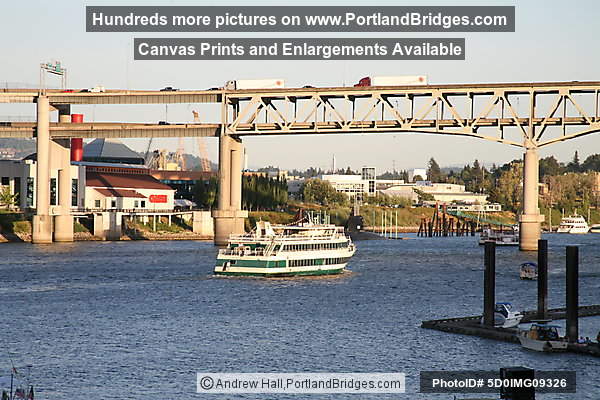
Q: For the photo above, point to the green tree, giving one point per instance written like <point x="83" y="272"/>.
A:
<point x="8" y="199"/>
<point x="506" y="188"/>
<point x="434" y="172"/>
<point x="592" y="163"/>
<point x="205" y="193"/>
<point x="321" y="192"/>
<point x="574" y="165"/>
<point x="423" y="196"/>
<point x="549" y="166"/>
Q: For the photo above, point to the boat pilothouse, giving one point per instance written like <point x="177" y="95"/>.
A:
<point x="302" y="248"/>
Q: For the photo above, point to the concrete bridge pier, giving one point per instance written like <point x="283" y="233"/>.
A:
<point x="42" y="220"/>
<point x="61" y="158"/>
<point x="229" y="216"/>
<point x="530" y="221"/>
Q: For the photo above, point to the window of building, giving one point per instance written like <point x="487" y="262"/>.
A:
<point x="17" y="188"/>
<point x="5" y="181"/>
<point x="113" y="203"/>
<point x="53" y="192"/>
<point x="136" y="203"/>
<point x="96" y="203"/>
<point x="74" y="192"/>
<point x="143" y="203"/>
<point x="30" y="183"/>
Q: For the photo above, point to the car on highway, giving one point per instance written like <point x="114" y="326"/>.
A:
<point x="169" y="89"/>
<point x="95" y="89"/>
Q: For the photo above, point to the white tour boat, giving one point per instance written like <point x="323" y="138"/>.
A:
<point x="573" y="224"/>
<point x="303" y="248"/>
<point x="543" y="337"/>
<point x="505" y="317"/>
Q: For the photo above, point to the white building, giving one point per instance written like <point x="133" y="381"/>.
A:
<point x="422" y="172"/>
<point x="354" y="185"/>
<point x="126" y="189"/>
<point x="442" y="192"/>
<point x="95" y="186"/>
<point x="20" y="177"/>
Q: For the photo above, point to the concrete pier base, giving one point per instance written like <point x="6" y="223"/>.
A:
<point x="61" y="158"/>
<point x="63" y="224"/>
<point x="530" y="221"/>
<point x="63" y="228"/>
<point x="108" y="225"/>
<point x="42" y="220"/>
<point x="202" y="223"/>
<point x="229" y="217"/>
<point x="228" y="222"/>
<point x="42" y="229"/>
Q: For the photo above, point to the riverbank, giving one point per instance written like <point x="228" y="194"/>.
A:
<point x="17" y="228"/>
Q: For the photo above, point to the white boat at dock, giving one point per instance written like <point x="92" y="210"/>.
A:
<point x="573" y="224"/>
<point x="505" y="316"/>
<point x="543" y="337"/>
<point x="508" y="237"/>
<point x="302" y="248"/>
<point x="595" y="228"/>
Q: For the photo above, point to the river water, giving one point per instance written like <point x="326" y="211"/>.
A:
<point x="137" y="320"/>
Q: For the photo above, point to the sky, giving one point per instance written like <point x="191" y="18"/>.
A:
<point x="553" y="41"/>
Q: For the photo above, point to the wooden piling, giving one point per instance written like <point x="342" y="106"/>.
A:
<point x="542" y="281"/>
<point x="489" y="283"/>
<point x="572" y="293"/>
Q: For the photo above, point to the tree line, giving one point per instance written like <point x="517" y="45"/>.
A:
<point x="259" y="192"/>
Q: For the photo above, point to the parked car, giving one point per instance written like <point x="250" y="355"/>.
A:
<point x="163" y="123"/>
<point x="168" y="89"/>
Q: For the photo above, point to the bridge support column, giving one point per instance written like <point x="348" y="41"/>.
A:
<point x="530" y="221"/>
<point x="61" y="154"/>
<point x="229" y="217"/>
<point x="42" y="220"/>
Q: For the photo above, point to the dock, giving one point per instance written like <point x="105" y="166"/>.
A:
<point x="482" y="325"/>
<point x="472" y="326"/>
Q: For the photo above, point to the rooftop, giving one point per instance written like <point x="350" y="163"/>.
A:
<point x="123" y="181"/>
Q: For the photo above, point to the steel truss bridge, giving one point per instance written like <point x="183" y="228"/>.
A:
<point x="518" y="114"/>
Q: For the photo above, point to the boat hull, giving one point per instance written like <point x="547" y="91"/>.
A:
<point x="547" y="346"/>
<point x="280" y="272"/>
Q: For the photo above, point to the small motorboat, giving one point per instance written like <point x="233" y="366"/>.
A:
<point x="595" y="228"/>
<point x="500" y="237"/>
<point x="505" y="317"/>
<point x="529" y="271"/>
<point x="544" y="337"/>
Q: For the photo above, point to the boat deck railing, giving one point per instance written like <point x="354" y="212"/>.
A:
<point x="242" y="252"/>
<point x="287" y="238"/>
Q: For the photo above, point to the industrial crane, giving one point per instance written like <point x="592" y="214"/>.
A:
<point x="202" y="152"/>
